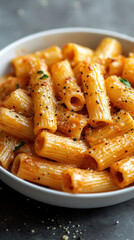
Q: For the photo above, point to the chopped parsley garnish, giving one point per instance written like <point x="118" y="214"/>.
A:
<point x="125" y="82"/>
<point x="44" y="76"/>
<point x="17" y="85"/>
<point x="40" y="72"/>
<point x="22" y="143"/>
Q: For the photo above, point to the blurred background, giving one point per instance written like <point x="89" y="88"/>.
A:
<point x="19" y="18"/>
<point x="24" y="218"/>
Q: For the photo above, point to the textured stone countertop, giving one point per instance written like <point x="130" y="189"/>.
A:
<point x="24" y="218"/>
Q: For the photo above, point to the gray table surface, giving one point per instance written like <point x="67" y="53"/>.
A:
<point x="21" y="217"/>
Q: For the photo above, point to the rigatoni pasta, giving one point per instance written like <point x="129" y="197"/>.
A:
<point x="26" y="66"/>
<point x="77" y="73"/>
<point x="20" y="101"/>
<point x="120" y="95"/>
<point x="60" y="148"/>
<point x="122" y="123"/>
<point x="70" y="123"/>
<point x="97" y="102"/>
<point x="10" y="146"/>
<point x="9" y="84"/>
<point x="114" y="66"/>
<point x="108" y="48"/>
<point x="87" y="181"/>
<point x="7" y="144"/>
<point x="50" y="55"/>
<point x="38" y="170"/>
<point x="123" y="171"/>
<point x="76" y="53"/>
<point x="43" y="101"/>
<point x="66" y="86"/>
<point x="16" y="124"/>
<point x="106" y="153"/>
<point x="67" y="118"/>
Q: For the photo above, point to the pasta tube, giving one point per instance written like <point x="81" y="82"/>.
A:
<point x="108" y="48"/>
<point x="70" y="123"/>
<point x="122" y="172"/>
<point x="9" y="146"/>
<point x="9" y="84"/>
<point x="121" y="96"/>
<point x="76" y="53"/>
<point x="26" y="66"/>
<point x="87" y="181"/>
<point x="6" y="155"/>
<point x="106" y="153"/>
<point x="20" y="101"/>
<point x="66" y="86"/>
<point x="122" y="123"/>
<point x="38" y="170"/>
<point x="95" y="94"/>
<point x="51" y="55"/>
<point x="77" y="73"/>
<point x="16" y="124"/>
<point x="60" y="149"/>
<point x="114" y="66"/>
<point x="128" y="70"/>
<point x="43" y="102"/>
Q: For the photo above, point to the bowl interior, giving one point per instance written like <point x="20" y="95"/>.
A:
<point x="86" y="37"/>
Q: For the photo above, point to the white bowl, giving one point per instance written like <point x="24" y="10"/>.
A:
<point x="87" y="37"/>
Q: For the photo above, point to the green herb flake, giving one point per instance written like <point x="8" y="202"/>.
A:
<point x="40" y="72"/>
<point x="44" y="76"/>
<point x="17" y="85"/>
<point x="125" y="82"/>
<point x="22" y="143"/>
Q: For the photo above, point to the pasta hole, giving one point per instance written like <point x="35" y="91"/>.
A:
<point x="107" y="68"/>
<point x="16" y="166"/>
<point x="68" y="183"/>
<point x="100" y="123"/>
<point x="39" y="143"/>
<point x="70" y="55"/>
<point x="119" y="176"/>
<point x="75" y="102"/>
<point x="90" y="163"/>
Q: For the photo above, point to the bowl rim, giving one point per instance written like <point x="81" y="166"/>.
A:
<point x="61" y="31"/>
<point x="67" y="30"/>
<point x="65" y="194"/>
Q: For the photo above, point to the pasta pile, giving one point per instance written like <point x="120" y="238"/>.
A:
<point x="67" y="118"/>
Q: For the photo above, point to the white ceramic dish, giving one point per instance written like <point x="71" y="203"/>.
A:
<point x="87" y="37"/>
